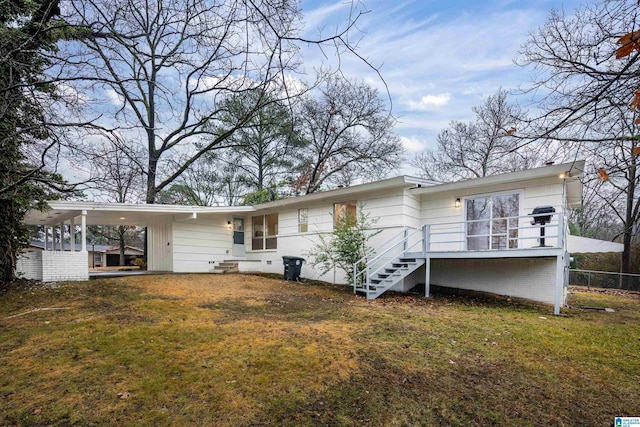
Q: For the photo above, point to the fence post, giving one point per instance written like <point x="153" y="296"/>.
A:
<point x="589" y="279"/>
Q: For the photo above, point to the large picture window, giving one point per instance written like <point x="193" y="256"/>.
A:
<point x="344" y="210"/>
<point x="491" y="223"/>
<point x="264" y="231"/>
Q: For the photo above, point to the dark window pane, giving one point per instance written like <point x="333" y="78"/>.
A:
<point x="272" y="224"/>
<point x="257" y="227"/>
<point x="272" y="243"/>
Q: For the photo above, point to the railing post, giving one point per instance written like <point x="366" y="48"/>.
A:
<point x="424" y="240"/>
<point x="366" y="280"/>
<point x="355" y="276"/>
<point x="589" y="279"/>
<point x="560" y="230"/>
<point x="404" y="244"/>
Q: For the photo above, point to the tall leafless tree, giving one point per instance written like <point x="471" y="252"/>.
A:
<point x="585" y="92"/>
<point x="166" y="65"/>
<point x="115" y="177"/>
<point x="481" y="147"/>
<point x="346" y="127"/>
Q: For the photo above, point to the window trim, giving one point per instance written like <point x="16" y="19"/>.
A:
<point x="519" y="192"/>
<point x="265" y="232"/>
<point x="306" y="220"/>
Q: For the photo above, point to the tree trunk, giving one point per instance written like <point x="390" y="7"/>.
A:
<point x="121" y="233"/>
<point x="625" y="266"/>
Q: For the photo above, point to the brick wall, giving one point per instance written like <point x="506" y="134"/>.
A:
<point x="61" y="266"/>
<point x="53" y="266"/>
<point x="29" y="265"/>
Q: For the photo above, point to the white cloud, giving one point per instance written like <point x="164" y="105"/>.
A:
<point x="412" y="144"/>
<point x="114" y="97"/>
<point x="429" y="101"/>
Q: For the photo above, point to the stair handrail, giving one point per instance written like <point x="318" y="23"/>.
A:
<point x="404" y="240"/>
<point x="356" y="274"/>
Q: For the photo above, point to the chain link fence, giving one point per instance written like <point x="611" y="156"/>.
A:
<point x="604" y="279"/>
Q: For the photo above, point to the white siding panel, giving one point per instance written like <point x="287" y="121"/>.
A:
<point x="531" y="278"/>
<point x="440" y="209"/>
<point x="201" y="243"/>
<point x="160" y="245"/>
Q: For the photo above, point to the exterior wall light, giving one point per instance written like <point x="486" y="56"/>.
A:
<point x="458" y="202"/>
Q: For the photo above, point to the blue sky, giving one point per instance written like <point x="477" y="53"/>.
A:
<point x="438" y="58"/>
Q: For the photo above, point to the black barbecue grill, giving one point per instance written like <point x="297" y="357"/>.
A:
<point x="542" y="216"/>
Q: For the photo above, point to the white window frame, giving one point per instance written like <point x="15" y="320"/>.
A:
<point x="519" y="192"/>
<point x="265" y="235"/>
<point x="305" y="223"/>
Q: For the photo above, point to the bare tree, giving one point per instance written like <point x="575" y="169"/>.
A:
<point x="482" y="147"/>
<point x="115" y="177"/>
<point x="346" y="127"/>
<point x="213" y="180"/>
<point x="585" y="93"/>
<point x="167" y="64"/>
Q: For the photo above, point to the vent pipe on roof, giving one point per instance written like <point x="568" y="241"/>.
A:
<point x="549" y="163"/>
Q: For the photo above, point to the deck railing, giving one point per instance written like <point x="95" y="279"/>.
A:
<point x="498" y="234"/>
<point x="506" y="233"/>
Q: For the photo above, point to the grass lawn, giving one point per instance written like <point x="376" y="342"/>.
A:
<point x="250" y="350"/>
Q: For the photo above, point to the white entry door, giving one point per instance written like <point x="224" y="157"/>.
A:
<point x="238" y="237"/>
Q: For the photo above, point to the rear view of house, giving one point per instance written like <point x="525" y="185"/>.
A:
<point x="480" y="234"/>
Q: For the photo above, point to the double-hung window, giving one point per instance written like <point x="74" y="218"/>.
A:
<point x="492" y="222"/>
<point x="303" y="220"/>
<point x="264" y="231"/>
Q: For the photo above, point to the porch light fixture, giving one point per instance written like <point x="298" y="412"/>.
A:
<point x="562" y="175"/>
<point x="457" y="202"/>
<point x="228" y="222"/>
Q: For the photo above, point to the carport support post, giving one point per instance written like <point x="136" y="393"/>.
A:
<point x="72" y="234"/>
<point x="62" y="237"/>
<point x="46" y="238"/>
<point x="558" y="299"/>
<point x="83" y="230"/>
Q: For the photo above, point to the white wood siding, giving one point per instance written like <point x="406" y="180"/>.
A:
<point x="440" y="208"/>
<point x="200" y="243"/>
<point x="160" y="245"/>
<point x="531" y="278"/>
<point x="393" y="208"/>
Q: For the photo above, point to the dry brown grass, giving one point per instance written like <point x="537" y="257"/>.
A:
<point x="252" y="350"/>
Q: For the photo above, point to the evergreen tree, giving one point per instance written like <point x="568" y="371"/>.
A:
<point x="28" y="30"/>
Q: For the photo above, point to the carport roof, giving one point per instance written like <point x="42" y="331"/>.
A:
<point x="122" y="213"/>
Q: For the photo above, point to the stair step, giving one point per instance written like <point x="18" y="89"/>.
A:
<point x="227" y="264"/>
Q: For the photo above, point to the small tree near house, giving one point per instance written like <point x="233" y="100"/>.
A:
<point x="346" y="245"/>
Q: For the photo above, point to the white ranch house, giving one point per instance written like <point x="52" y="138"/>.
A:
<point x="475" y="234"/>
